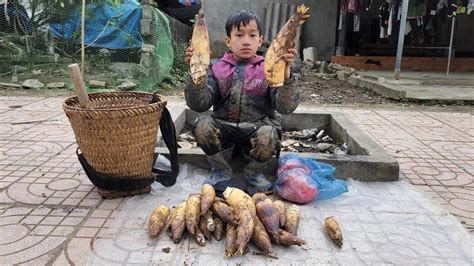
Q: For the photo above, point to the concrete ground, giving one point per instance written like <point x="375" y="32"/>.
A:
<point x="51" y="213"/>
<point x="419" y="85"/>
<point x="417" y="75"/>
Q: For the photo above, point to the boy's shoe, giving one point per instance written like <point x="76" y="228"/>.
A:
<point x="258" y="183"/>
<point x="218" y="175"/>
<point x="221" y="170"/>
<point x="254" y="176"/>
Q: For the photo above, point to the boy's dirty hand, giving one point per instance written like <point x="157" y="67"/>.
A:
<point x="288" y="57"/>
<point x="188" y="54"/>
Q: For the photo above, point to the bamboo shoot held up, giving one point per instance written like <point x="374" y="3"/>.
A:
<point x="284" y="40"/>
<point x="201" y="57"/>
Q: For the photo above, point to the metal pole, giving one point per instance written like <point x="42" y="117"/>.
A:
<point x="450" y="46"/>
<point x="83" y="26"/>
<point x="401" y="39"/>
<point x="342" y="35"/>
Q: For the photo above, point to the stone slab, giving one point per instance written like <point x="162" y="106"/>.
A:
<point x="32" y="84"/>
<point x="366" y="161"/>
<point x="56" y="85"/>
<point x="97" y="84"/>
<point x="9" y="85"/>
<point x="126" y="86"/>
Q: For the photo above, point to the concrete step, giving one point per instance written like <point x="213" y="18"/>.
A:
<point x="416" y="90"/>
<point x="436" y="64"/>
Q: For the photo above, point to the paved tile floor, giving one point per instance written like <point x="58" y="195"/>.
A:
<point x="51" y="213"/>
<point x="382" y="223"/>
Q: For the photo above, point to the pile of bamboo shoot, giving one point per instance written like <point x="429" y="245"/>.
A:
<point x="238" y="217"/>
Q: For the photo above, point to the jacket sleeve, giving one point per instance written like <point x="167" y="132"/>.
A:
<point x="286" y="98"/>
<point x="201" y="99"/>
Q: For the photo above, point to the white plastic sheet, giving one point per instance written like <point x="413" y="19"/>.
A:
<point x="382" y="223"/>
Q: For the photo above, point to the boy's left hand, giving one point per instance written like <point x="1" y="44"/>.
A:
<point x="288" y="57"/>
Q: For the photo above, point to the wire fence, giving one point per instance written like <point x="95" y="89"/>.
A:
<point x="127" y="45"/>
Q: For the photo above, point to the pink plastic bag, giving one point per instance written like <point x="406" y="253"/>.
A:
<point x="303" y="180"/>
<point x="295" y="185"/>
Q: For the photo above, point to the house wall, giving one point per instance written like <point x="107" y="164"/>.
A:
<point x="464" y="41"/>
<point x="319" y="31"/>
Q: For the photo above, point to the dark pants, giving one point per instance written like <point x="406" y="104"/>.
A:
<point x="415" y="31"/>
<point x="213" y="136"/>
<point x="352" y="37"/>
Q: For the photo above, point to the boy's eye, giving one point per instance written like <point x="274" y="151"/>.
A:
<point x="253" y="35"/>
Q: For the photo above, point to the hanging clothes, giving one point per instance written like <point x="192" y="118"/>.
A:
<point x="356" y="22"/>
<point x="353" y="33"/>
<point x="416" y="12"/>
<point x="416" y="9"/>
<point x="341" y="20"/>
<point x="384" y="17"/>
<point x="442" y="4"/>
<point x="431" y="7"/>
<point x="350" y="6"/>
<point x="395" y="15"/>
<point x="430" y="20"/>
<point x="442" y="9"/>
<point x="347" y="8"/>
<point x="350" y="9"/>
<point x="365" y="5"/>
<point x="452" y="8"/>
<point x="408" y="28"/>
<point x="457" y="7"/>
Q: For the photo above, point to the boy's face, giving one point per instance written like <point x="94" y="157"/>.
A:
<point x="244" y="42"/>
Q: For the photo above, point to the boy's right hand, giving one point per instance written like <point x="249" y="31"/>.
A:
<point x="188" y="54"/>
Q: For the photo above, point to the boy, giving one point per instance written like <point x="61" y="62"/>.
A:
<point x="243" y="104"/>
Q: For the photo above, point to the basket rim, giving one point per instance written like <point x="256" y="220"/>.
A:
<point x="74" y="108"/>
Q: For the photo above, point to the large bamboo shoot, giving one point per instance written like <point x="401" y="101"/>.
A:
<point x="284" y="40"/>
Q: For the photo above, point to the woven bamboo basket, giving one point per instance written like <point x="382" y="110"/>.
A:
<point x="117" y="134"/>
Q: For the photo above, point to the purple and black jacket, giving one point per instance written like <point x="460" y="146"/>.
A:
<point x="238" y="93"/>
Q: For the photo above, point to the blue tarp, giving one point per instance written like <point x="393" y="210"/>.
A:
<point x="107" y="26"/>
<point x="13" y="12"/>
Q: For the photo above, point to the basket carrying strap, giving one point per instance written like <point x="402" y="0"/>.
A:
<point x="106" y="182"/>
<point x="166" y="178"/>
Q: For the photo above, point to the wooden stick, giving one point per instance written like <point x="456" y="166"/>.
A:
<point x="76" y="77"/>
<point x="83" y="34"/>
<point x="5" y="10"/>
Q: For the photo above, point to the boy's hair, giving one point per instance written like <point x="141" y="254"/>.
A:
<point x="242" y="18"/>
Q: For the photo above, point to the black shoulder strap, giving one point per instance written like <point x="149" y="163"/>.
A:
<point x="166" y="178"/>
<point x="106" y="182"/>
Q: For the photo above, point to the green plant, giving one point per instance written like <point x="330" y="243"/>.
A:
<point x="179" y="71"/>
